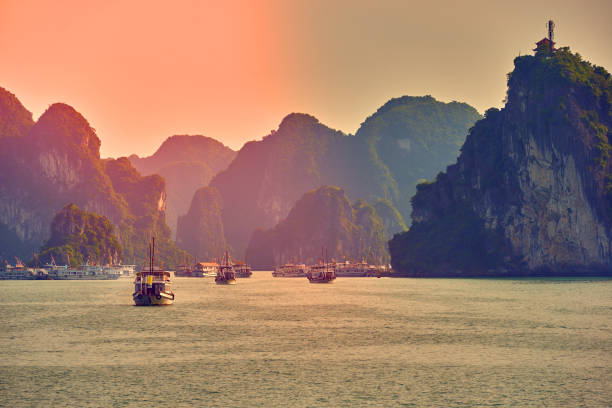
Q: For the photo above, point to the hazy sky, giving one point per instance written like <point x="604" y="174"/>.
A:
<point x="141" y="71"/>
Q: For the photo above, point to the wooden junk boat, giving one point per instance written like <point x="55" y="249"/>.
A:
<point x="321" y="273"/>
<point x="152" y="284"/>
<point x="226" y="274"/>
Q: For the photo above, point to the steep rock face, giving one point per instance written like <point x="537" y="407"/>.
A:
<point x="267" y="177"/>
<point x="321" y="218"/>
<point x="15" y="120"/>
<point x="416" y="138"/>
<point x="58" y="162"/>
<point x="532" y="189"/>
<point x="187" y="163"/>
<point x="392" y="220"/>
<point x="200" y="231"/>
<point x="57" y="159"/>
<point x="78" y="237"/>
<point x="145" y="198"/>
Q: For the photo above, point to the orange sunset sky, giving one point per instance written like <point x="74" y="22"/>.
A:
<point x="141" y="71"/>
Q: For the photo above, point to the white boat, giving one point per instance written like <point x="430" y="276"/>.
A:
<point x="290" y="271"/>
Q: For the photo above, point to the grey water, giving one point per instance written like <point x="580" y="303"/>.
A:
<point x="282" y="342"/>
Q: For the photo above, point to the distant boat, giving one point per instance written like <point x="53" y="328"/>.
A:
<point x="152" y="284"/>
<point x="290" y="271"/>
<point x="226" y="274"/>
<point x="242" y="270"/>
<point x="85" y="272"/>
<point x="205" y="269"/>
<point x="321" y="273"/>
<point x="352" y="269"/>
<point x="183" y="271"/>
<point x="199" y="270"/>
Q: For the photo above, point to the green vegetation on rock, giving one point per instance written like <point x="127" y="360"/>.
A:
<point x="416" y="137"/>
<point x="78" y="237"/>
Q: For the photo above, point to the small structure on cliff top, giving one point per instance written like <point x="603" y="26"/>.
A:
<point x="547" y="44"/>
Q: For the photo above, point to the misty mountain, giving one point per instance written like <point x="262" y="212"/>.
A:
<point x="267" y="177"/>
<point x="416" y="138"/>
<point x="321" y="218"/>
<point x="406" y="139"/>
<point x="187" y="163"/>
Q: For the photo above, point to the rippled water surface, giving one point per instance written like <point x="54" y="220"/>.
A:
<point x="273" y="342"/>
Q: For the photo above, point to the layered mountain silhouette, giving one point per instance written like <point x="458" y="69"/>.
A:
<point x="407" y="139"/>
<point x="187" y="163"/>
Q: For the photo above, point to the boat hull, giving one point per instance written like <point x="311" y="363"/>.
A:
<point x="320" y="281"/>
<point x="226" y="282"/>
<point x="153" y="300"/>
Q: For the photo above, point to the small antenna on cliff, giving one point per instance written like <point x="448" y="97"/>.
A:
<point x="551" y="31"/>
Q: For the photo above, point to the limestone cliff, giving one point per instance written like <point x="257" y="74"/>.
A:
<point x="200" y="231"/>
<point x="187" y="163"/>
<point x="321" y="218"/>
<point x="268" y="177"/>
<point x="56" y="162"/>
<point x="15" y="119"/>
<point x="416" y="138"/>
<point x="78" y="237"/>
<point x="531" y="192"/>
<point x="406" y="139"/>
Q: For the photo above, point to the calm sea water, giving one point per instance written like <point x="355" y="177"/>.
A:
<point x="273" y="342"/>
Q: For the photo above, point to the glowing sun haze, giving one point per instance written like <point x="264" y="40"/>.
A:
<point x="141" y="71"/>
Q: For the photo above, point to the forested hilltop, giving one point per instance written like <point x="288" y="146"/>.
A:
<point x="78" y="237"/>
<point x="531" y="192"/>
<point x="416" y="138"/>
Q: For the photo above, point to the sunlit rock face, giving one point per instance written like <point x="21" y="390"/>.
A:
<point x="56" y="161"/>
<point x="531" y="192"/>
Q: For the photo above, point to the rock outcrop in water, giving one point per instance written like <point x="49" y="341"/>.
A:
<point x="531" y="192"/>
<point x="56" y="162"/>
<point x="78" y="237"/>
<point x="321" y="218"/>
<point x="187" y="163"/>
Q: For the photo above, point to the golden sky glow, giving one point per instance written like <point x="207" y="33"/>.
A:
<point x="141" y="71"/>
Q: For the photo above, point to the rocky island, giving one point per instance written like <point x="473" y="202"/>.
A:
<point x="531" y="192"/>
